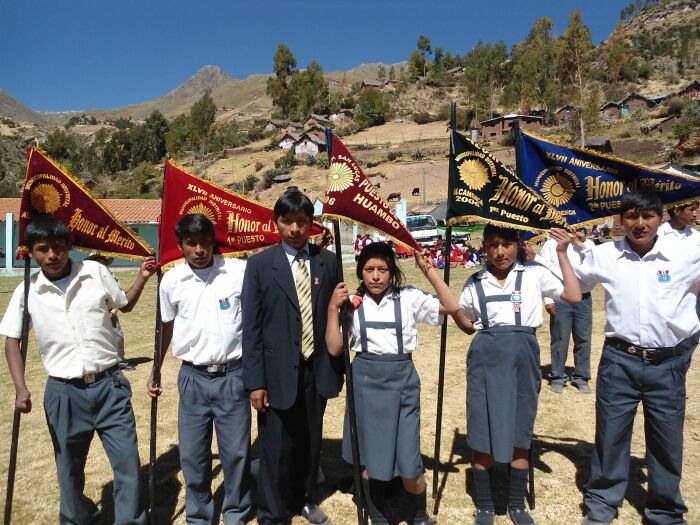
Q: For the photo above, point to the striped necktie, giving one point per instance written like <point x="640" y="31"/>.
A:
<point x="303" y="283"/>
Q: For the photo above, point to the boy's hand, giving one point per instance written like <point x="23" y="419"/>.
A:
<point x="148" y="267"/>
<point x="23" y="401"/>
<point x="551" y="308"/>
<point x="340" y="295"/>
<point x="562" y="237"/>
<point x="153" y="390"/>
<point x="423" y="260"/>
<point x="258" y="398"/>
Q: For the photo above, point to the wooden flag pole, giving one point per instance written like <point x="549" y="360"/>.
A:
<point x="12" y="468"/>
<point x="443" y="340"/>
<point x="154" y="408"/>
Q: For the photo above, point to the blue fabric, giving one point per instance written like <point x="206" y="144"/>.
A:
<point x="576" y="319"/>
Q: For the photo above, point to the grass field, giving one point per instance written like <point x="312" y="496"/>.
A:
<point x="562" y="447"/>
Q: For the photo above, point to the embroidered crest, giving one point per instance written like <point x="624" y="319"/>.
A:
<point x="516" y="298"/>
<point x="356" y="301"/>
<point x="663" y="276"/>
<point x="224" y="304"/>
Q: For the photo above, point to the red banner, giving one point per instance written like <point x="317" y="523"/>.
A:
<point x="350" y="195"/>
<point x="240" y="224"/>
<point x="50" y="189"/>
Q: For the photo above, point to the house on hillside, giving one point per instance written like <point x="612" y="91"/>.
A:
<point x="676" y="169"/>
<point x="366" y="84"/>
<point x="658" y="99"/>
<point x="316" y="129"/>
<point x="600" y="144"/>
<point x="634" y="102"/>
<point x="294" y="126"/>
<point x="610" y="110"/>
<point x="691" y="91"/>
<point x="342" y="116"/>
<point x="563" y="114"/>
<point x="274" y="124"/>
<point x="661" y="126"/>
<point x="309" y="144"/>
<point x="456" y="72"/>
<point x="496" y="128"/>
<point x="322" y="120"/>
<point x="288" y="139"/>
<point x="141" y="215"/>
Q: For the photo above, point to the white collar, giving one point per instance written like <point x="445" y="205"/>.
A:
<point x="44" y="284"/>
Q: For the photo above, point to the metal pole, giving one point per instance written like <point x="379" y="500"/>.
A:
<point x="12" y="468"/>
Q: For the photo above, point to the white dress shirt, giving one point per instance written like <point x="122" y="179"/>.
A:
<point x="74" y="328"/>
<point x="650" y="300"/>
<point x="538" y="281"/>
<point x="416" y="307"/>
<point x="686" y="234"/>
<point x="291" y="254"/>
<point x="576" y="253"/>
<point x="207" y="313"/>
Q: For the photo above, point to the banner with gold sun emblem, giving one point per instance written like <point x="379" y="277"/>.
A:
<point x="351" y="196"/>
<point x="49" y="188"/>
<point x="240" y="224"/>
<point x="587" y="187"/>
<point x="482" y="189"/>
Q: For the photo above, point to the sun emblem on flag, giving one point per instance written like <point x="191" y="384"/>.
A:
<point x="474" y="174"/>
<point x="202" y="209"/>
<point x="45" y="198"/>
<point x="557" y="189"/>
<point x="339" y="177"/>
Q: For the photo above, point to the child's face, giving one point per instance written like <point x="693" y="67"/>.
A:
<point x="640" y="226"/>
<point x="52" y="257"/>
<point x="501" y="252"/>
<point x="198" y="249"/>
<point x="294" y="228"/>
<point x="687" y="215"/>
<point x="376" y="276"/>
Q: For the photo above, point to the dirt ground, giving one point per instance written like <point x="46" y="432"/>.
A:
<point x="562" y="447"/>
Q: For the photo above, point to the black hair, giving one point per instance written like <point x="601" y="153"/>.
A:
<point x="293" y="201"/>
<point x="43" y="227"/>
<point x="193" y="224"/>
<point x="582" y="229"/>
<point x="672" y="210"/>
<point x="509" y="234"/>
<point x="382" y="251"/>
<point x="641" y="200"/>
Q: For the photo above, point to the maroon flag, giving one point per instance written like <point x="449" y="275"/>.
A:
<point x="351" y="196"/>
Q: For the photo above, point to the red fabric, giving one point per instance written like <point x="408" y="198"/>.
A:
<point x="240" y="224"/>
<point x="50" y="189"/>
<point x="350" y="195"/>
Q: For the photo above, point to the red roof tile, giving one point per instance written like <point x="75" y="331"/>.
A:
<point x="125" y="210"/>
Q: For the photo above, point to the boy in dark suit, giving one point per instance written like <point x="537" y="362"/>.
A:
<point x="286" y="367"/>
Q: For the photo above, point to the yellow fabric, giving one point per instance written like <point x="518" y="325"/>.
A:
<point x="303" y="283"/>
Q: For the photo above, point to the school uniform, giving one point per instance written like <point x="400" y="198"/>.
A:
<point x="651" y="325"/>
<point x="85" y="392"/>
<point x="206" y="307"/>
<point x="576" y="319"/>
<point x="690" y="239"/>
<point x="503" y="363"/>
<point x="386" y="384"/>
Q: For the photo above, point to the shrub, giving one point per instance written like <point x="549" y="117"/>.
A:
<point x="288" y="161"/>
<point x="421" y="117"/>
<point x="258" y="165"/>
<point x="417" y="155"/>
<point x="393" y="155"/>
<point x="322" y="161"/>
<point x="269" y="175"/>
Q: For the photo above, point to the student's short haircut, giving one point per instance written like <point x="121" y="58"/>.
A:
<point x="509" y="234"/>
<point x="672" y="210"/>
<point x="641" y="200"/>
<point x="293" y="201"/>
<point x="194" y="224"/>
<point x="45" y="227"/>
<point x="383" y="252"/>
<point x="582" y="229"/>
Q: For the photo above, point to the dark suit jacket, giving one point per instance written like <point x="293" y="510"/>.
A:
<point x="272" y="329"/>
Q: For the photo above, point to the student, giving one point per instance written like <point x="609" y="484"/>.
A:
<point x="565" y="319"/>
<point x="200" y="306"/>
<point x="387" y="387"/>
<point x="681" y="222"/>
<point x="70" y="305"/>
<point x="651" y="327"/>
<point x="503" y="302"/>
<point x="286" y="368"/>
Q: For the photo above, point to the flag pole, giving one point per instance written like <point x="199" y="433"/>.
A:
<point x="350" y="391"/>
<point x="11" y="469"/>
<point x="443" y="337"/>
<point x="154" y="408"/>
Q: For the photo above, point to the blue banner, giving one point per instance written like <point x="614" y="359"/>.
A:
<point x="587" y="187"/>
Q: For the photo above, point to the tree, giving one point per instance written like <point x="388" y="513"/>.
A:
<point x="392" y="73"/>
<point x="178" y="135"/>
<point x="277" y="86"/>
<point x="484" y="75"/>
<point x="201" y="118"/>
<point x="308" y="91"/>
<point x="574" y="47"/>
<point x="157" y="128"/>
<point x="437" y="70"/>
<point x="616" y="53"/>
<point x="424" y="48"/>
<point x="381" y="73"/>
<point x="416" y="64"/>
<point x="371" y="108"/>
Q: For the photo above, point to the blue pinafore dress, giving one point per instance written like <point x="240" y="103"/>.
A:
<point x="387" y="406"/>
<point x="503" y="382"/>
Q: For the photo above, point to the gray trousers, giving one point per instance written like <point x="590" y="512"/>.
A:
<point x="74" y="413"/>
<point x="623" y="381"/>
<point x="220" y="402"/>
<point x="576" y="319"/>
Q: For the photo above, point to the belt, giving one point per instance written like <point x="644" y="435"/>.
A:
<point x="651" y="355"/>
<point x="88" y="379"/>
<point x="215" y="370"/>
<point x="384" y="357"/>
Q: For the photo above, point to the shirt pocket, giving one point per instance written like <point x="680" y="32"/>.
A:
<point x="229" y="308"/>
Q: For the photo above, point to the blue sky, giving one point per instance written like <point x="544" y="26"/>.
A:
<point x="76" y="54"/>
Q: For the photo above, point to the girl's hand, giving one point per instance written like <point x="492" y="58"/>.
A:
<point x="423" y="260"/>
<point x="562" y="237"/>
<point x="340" y="295"/>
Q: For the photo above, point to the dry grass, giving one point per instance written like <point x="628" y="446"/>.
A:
<point x="564" y="433"/>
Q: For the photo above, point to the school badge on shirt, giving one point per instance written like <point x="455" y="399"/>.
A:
<point x="516" y="298"/>
<point x="224" y="304"/>
<point x="663" y="276"/>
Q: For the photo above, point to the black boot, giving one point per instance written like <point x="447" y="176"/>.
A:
<point x="516" y="497"/>
<point x="485" y="510"/>
<point x="417" y="504"/>
<point x="374" y="496"/>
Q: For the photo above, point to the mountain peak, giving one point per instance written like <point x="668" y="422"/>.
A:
<point x="209" y="77"/>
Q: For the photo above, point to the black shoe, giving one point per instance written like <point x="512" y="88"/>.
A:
<point x="520" y="516"/>
<point x="582" y="387"/>
<point x="314" y="515"/>
<point x="557" y="388"/>
<point x="483" y="517"/>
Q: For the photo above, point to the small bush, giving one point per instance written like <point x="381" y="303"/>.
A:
<point x="421" y="117"/>
<point x="258" y="165"/>
<point x="417" y="155"/>
<point x="674" y="106"/>
<point x="310" y="160"/>
<point x="393" y="155"/>
<point x="322" y="161"/>
<point x="269" y="175"/>
<point x="507" y="140"/>
<point x="288" y="161"/>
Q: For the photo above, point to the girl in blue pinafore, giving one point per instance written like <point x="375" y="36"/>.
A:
<point x="387" y="388"/>
<point x="503" y="303"/>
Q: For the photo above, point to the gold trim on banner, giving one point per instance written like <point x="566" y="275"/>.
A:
<point x="333" y="216"/>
